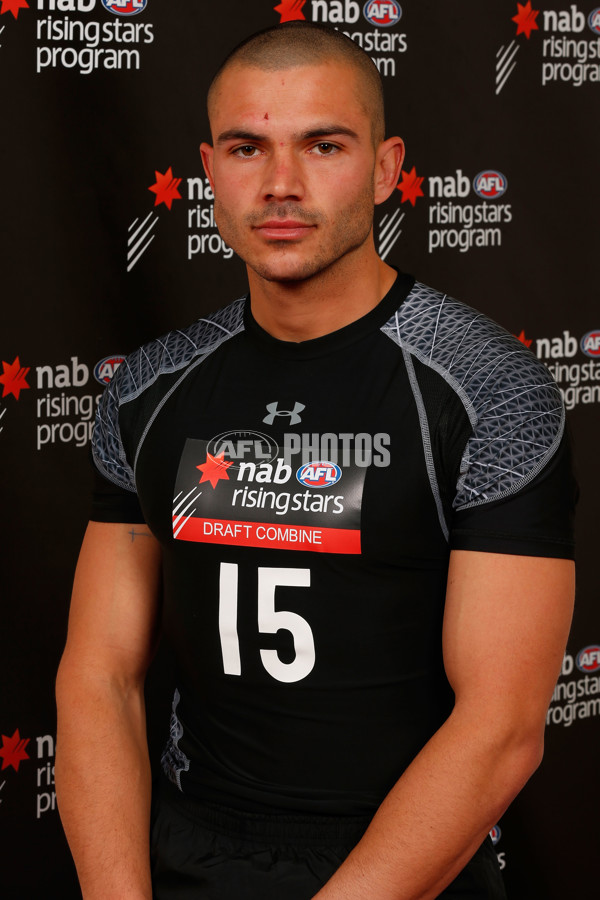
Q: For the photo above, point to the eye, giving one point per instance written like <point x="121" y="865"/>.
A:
<point x="247" y="151"/>
<point x="324" y="148"/>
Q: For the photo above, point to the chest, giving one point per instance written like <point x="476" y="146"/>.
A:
<point x="313" y="455"/>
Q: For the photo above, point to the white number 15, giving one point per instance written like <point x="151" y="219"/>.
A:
<point x="270" y="620"/>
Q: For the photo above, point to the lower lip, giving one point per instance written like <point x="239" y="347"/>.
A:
<point x="293" y="233"/>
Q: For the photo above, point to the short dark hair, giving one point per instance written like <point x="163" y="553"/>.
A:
<point x="302" y="43"/>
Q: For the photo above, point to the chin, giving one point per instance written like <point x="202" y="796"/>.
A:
<point x="287" y="271"/>
<point x="293" y="271"/>
<point x="287" y="276"/>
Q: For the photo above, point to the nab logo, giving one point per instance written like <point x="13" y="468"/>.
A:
<point x="594" y="20"/>
<point x="588" y="659"/>
<point x="319" y="474"/>
<point x="489" y="184"/>
<point x="382" y="12"/>
<point x="590" y="343"/>
<point x="106" y="368"/>
<point x="495" y="834"/>
<point x="125" y="7"/>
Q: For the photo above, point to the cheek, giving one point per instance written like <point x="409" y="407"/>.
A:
<point x="231" y="183"/>
<point x="234" y="196"/>
<point x="347" y="186"/>
<point x="225" y="191"/>
<point x="353" y="197"/>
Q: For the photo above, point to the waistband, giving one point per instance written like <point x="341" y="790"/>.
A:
<point x="313" y="830"/>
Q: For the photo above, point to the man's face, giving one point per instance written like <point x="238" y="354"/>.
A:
<point x="292" y="167"/>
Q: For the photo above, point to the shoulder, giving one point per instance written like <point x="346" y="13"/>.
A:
<point x="465" y="346"/>
<point x="514" y="407"/>
<point x="161" y="362"/>
<point x="176" y="350"/>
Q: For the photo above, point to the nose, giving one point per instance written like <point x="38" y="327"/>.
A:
<point x="283" y="176"/>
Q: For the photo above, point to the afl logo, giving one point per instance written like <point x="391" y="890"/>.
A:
<point x="495" y="834"/>
<point x="125" y="7"/>
<point x="319" y="474"/>
<point x="490" y="184"/>
<point x="594" y="20"/>
<point x="106" y="368"/>
<point x="244" y="446"/>
<point x="588" y="659"/>
<point x="590" y="343"/>
<point x="382" y="13"/>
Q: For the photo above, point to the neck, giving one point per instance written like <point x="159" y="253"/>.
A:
<point x="303" y="310"/>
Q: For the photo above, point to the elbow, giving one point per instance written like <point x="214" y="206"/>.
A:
<point x="531" y="753"/>
<point x="96" y="677"/>
<point x="509" y="747"/>
<point x="521" y="755"/>
<point x="70" y="679"/>
<point x="63" y="684"/>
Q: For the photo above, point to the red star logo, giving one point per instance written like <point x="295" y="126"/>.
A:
<point x="410" y="186"/>
<point x="12" y="750"/>
<point x="290" y="10"/>
<point x="214" y="469"/>
<point x="521" y="337"/>
<point x="525" y="19"/>
<point x="13" y="378"/>
<point x="13" y="6"/>
<point x="165" y="188"/>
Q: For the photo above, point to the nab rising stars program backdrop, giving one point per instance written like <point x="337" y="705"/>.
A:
<point x="109" y="240"/>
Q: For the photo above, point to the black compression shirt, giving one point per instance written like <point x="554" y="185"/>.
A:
<point x="307" y="497"/>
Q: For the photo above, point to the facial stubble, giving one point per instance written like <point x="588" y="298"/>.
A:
<point x="336" y="239"/>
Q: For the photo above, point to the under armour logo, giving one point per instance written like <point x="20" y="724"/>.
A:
<point x="292" y="413"/>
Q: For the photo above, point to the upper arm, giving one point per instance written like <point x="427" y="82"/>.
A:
<point x="114" y="606"/>
<point x="506" y="625"/>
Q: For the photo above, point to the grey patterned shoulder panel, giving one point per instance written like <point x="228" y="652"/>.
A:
<point x="178" y="350"/>
<point x="513" y="404"/>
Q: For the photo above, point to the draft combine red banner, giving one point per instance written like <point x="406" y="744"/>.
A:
<point x="261" y="534"/>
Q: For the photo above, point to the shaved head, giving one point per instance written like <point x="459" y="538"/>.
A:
<point x="295" y="44"/>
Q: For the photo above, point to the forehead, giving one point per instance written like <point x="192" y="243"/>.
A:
<point x="330" y="91"/>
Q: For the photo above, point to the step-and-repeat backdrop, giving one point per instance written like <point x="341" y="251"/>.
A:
<point x="108" y="239"/>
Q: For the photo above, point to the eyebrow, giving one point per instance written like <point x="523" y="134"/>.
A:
<point x="329" y="130"/>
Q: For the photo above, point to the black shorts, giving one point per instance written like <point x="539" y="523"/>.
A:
<point x="205" y="852"/>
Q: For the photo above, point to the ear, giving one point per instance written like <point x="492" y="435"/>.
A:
<point x="388" y="165"/>
<point x="207" y="153"/>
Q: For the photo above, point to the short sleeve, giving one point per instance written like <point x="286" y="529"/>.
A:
<point x="108" y="451"/>
<point x="512" y="489"/>
<point x="114" y="497"/>
<point x="111" y="503"/>
<point x="537" y="520"/>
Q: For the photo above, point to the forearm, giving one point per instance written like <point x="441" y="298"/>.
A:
<point x="103" y="784"/>
<point x="437" y="815"/>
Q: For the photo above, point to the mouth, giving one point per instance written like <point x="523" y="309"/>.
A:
<point x="283" y="229"/>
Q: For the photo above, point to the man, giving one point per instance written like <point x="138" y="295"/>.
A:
<point x="359" y="492"/>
